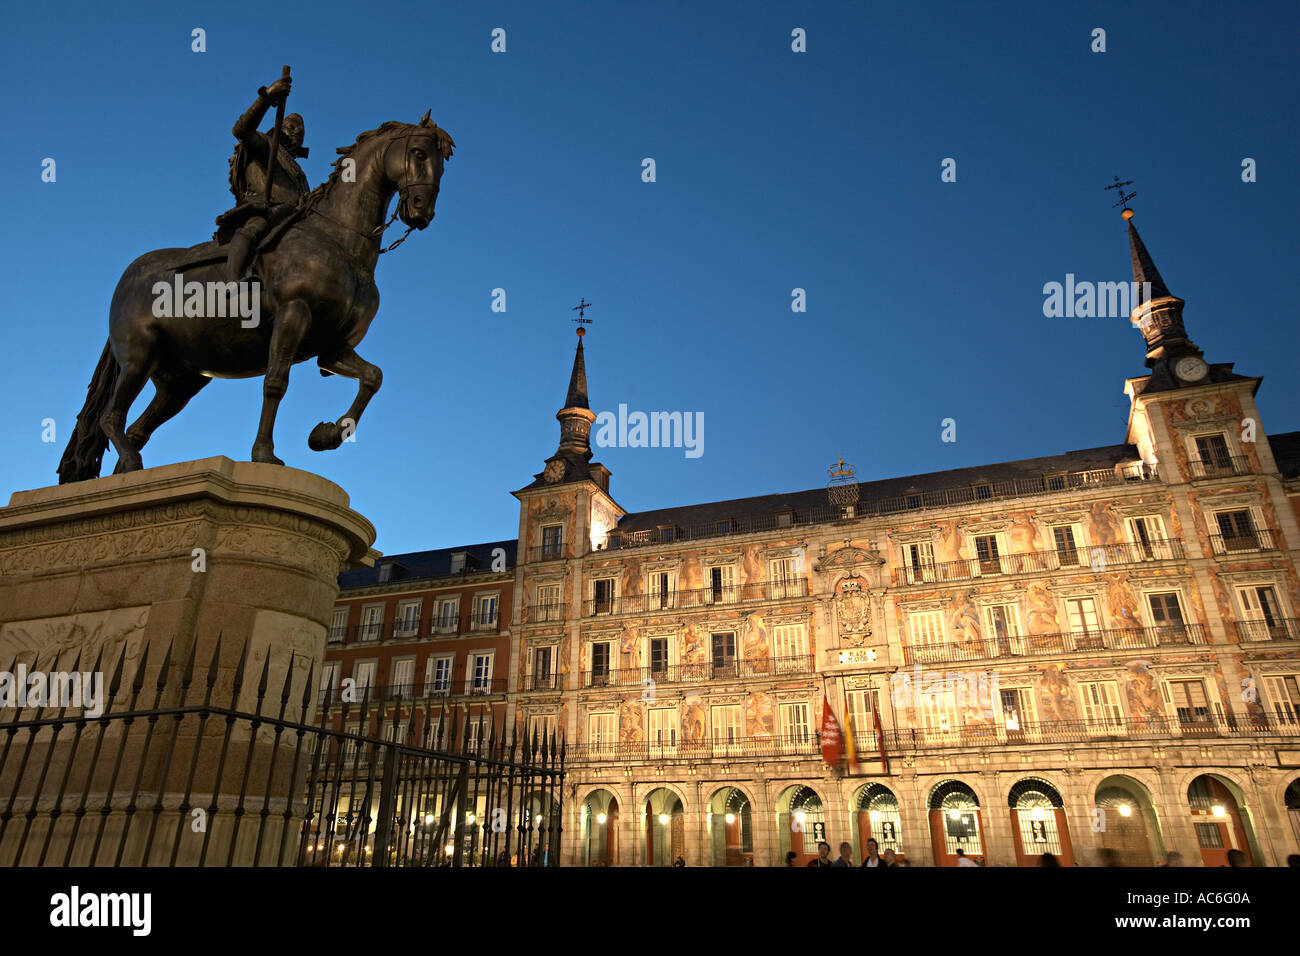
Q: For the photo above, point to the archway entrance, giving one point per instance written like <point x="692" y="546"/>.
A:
<point x="876" y="811"/>
<point x="600" y="824"/>
<point x="1128" y="821"/>
<point x="800" y="823"/>
<point x="1038" y="823"/>
<point x="665" y="827"/>
<point x="955" y="823"/>
<point x="731" y="832"/>
<point x="1218" y="819"/>
<point x="539" y="832"/>
<point x="1292" y="800"/>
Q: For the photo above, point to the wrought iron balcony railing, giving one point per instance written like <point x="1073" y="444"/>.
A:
<point x="787" y="590"/>
<point x="994" y="733"/>
<point x="388" y="693"/>
<point x="1063" y="642"/>
<point x="484" y="621"/>
<point x="548" y="552"/>
<point x="1220" y="467"/>
<point x="915" y="501"/>
<point x="732" y="669"/>
<point x="1093" y="557"/>
<point x="670" y="747"/>
<point x="1261" y="539"/>
<point x="549" y="681"/>
<point x="1278" y="629"/>
<point x="540" y="613"/>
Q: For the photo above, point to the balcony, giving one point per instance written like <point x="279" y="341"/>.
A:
<point x="396" y="693"/>
<point x="911" y="740"/>
<point x="1261" y="539"/>
<point x="1279" y="629"/>
<point x="800" y="745"/>
<point x="548" y="552"/>
<point x="1066" y="483"/>
<point x="540" y="613"/>
<point x="1223" y="466"/>
<point x="542" y="681"/>
<point x="1065" y="642"/>
<point x="787" y="590"/>
<point x="484" y="621"/>
<point x="733" y="669"/>
<point x="1097" y="558"/>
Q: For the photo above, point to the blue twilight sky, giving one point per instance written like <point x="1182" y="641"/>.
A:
<point x="776" y="170"/>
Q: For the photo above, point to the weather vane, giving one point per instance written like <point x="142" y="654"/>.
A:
<point x="581" y="308"/>
<point x="1123" y="196"/>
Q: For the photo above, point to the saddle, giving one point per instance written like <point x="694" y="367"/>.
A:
<point x="212" y="251"/>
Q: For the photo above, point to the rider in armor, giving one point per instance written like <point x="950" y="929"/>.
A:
<point x="252" y="218"/>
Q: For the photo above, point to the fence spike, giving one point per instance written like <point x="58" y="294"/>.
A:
<point x="288" y="680"/>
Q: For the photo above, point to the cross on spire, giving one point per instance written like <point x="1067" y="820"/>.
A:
<point x="581" y="308"/>
<point x="1123" y="196"/>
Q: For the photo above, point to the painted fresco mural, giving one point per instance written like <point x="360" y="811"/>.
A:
<point x="756" y="649"/>
<point x="760" y="715"/>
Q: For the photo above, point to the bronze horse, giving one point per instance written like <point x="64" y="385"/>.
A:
<point x="317" y="299"/>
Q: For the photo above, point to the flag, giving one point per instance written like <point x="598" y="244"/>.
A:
<point x="880" y="739"/>
<point x="832" y="740"/>
<point x="850" y="748"/>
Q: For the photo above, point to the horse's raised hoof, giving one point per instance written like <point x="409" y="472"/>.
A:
<point x="263" y="454"/>
<point x="325" y="437"/>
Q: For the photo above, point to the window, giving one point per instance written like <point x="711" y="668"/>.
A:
<point x="938" y="710"/>
<point x="1166" y="612"/>
<point x="1002" y="626"/>
<point x="485" y="612"/>
<point x="1017" y="712"/>
<point x="548" y="603"/>
<point x="784" y="519"/>
<point x="437" y="674"/>
<point x="602" y="732"/>
<point x="1082" y="615"/>
<point x="329" y="679"/>
<point x="543" y="658"/>
<point x="363" y="677"/>
<point x="920" y="562"/>
<point x="722" y="584"/>
<point x="913" y="501"/>
<point x="372" y="622"/>
<point x="667" y="534"/>
<point x="722" y="527"/>
<point x="1283" y="699"/>
<point x="1237" y="531"/>
<point x="663" y="728"/>
<point x="1148" y="533"/>
<point x="480" y="676"/>
<point x="1067" y="548"/>
<point x="726" y="727"/>
<point x="1054" y="482"/>
<point x="541" y="727"/>
<point x="461" y="562"/>
<point x="795" y="727"/>
<point x="785" y="583"/>
<point x="408" y="619"/>
<point x="791" y="647"/>
<point x="1209" y="836"/>
<point x="724" y="654"/>
<point x="403" y="679"/>
<point x="552" y="541"/>
<point x="1190" y="704"/>
<point x="986" y="552"/>
<point x="983" y="491"/>
<point x="338" y="625"/>
<point x="660" y="595"/>
<point x="600" y="663"/>
<point x="1214" y="454"/>
<point x="477" y="726"/>
<point x="658" y="657"/>
<point x="926" y="628"/>
<point x="448" y="617"/>
<point x="861" y="707"/>
<point x="1262" y="619"/>
<point x="603" y="596"/>
<point x="1101" y="710"/>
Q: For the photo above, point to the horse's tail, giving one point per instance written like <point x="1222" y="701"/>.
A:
<point x="85" y="452"/>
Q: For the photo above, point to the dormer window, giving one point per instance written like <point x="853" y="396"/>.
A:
<point x="784" y="519"/>
<point x="460" y="562"/>
<point x="667" y="533"/>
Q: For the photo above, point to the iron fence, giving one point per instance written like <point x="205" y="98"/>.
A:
<point x="1083" y="557"/>
<point x="249" y="776"/>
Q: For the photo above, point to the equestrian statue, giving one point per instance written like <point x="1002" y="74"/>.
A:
<point x="303" y="259"/>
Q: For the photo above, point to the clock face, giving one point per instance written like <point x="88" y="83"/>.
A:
<point x="554" y="471"/>
<point x="1190" y="369"/>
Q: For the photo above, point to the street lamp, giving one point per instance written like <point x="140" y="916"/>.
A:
<point x="1125" y="810"/>
<point x="1219" y="810"/>
<point x="600" y="818"/>
<point x="731" y="818"/>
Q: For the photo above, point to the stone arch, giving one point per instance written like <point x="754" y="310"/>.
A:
<point x="1125" y="820"/>
<point x="1291" y="802"/>
<point x="877" y="814"/>
<point x="800" y="822"/>
<point x="1038" y="822"/>
<point x="730" y="827"/>
<point x="1220" y="817"/>
<point x="663" y="812"/>
<point x="598" y="823"/>
<point x="956" y="822"/>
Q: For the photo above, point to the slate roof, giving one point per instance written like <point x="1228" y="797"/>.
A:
<point x="427" y="564"/>
<point x="803" y="502"/>
<point x="1286" y="449"/>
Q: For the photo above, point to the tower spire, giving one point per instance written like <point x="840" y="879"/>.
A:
<point x="1144" y="268"/>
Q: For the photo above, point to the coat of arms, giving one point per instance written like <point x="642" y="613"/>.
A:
<point x="853" y="605"/>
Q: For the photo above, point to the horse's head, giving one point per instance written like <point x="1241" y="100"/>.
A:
<point x="413" y="162"/>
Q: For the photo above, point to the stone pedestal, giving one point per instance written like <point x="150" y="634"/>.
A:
<point x="173" y="559"/>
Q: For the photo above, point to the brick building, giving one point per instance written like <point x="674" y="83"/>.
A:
<point x="1076" y="653"/>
